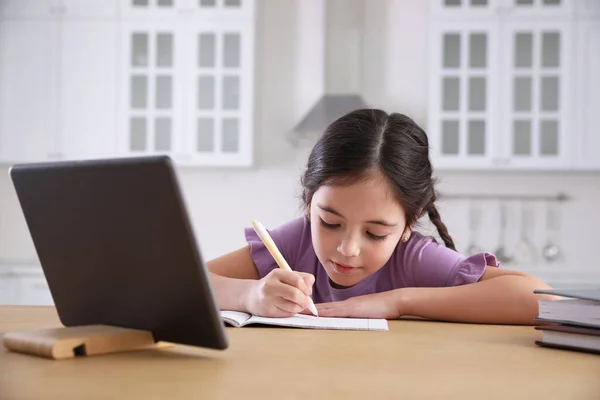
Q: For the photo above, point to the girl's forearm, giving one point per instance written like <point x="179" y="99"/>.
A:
<point x="230" y="292"/>
<point x="505" y="299"/>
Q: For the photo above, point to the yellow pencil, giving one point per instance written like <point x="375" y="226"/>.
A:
<point x="270" y="244"/>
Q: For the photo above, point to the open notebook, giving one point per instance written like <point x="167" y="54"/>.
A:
<point x="240" y="319"/>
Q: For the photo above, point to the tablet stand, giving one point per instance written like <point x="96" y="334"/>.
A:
<point x="89" y="340"/>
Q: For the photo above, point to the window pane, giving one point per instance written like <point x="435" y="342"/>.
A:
<point x="550" y="49"/>
<point x="137" y="134"/>
<point x="550" y="93"/>
<point x="451" y="50"/>
<point x="450" y="138"/>
<point x="162" y="134"/>
<point x="206" y="50"/>
<point x="522" y="137"/>
<point x="231" y="134"/>
<point x="549" y="137"/>
<point x="205" y="135"/>
<point x="207" y="3"/>
<point x="478" y="50"/>
<point x="523" y="50"/>
<point x="476" y="140"/>
<point x="477" y="94"/>
<point x="165" y="3"/>
<point x="206" y="92"/>
<point x="231" y="93"/>
<point x="522" y="94"/>
<point x="163" y="92"/>
<point x="140" y="3"/>
<point x="139" y="91"/>
<point x="164" y="50"/>
<point x="450" y="94"/>
<point x="232" y="3"/>
<point x="452" y="2"/>
<point x="231" y="50"/>
<point x="479" y="2"/>
<point x="139" y="50"/>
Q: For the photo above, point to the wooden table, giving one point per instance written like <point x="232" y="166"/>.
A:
<point x="414" y="360"/>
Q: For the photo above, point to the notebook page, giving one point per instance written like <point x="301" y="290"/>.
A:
<point x="310" y="321"/>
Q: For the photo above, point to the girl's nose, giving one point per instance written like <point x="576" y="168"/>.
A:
<point x="349" y="248"/>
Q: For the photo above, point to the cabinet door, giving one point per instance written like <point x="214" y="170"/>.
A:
<point x="89" y="88"/>
<point x="464" y="9"/>
<point x="28" y="90"/>
<point x="155" y="9"/>
<point x="219" y="107"/>
<point x="152" y="81"/>
<point x="536" y="96"/>
<point x="537" y="9"/>
<point x="463" y="95"/>
<point x="588" y="94"/>
<point x="89" y="9"/>
<point x="29" y="9"/>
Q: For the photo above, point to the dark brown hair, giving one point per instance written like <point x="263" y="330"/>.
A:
<point x="368" y="139"/>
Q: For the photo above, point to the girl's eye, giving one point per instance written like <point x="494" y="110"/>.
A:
<point x="376" y="237"/>
<point x="328" y="226"/>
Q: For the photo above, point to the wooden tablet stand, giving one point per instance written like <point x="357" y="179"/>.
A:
<point x="69" y="342"/>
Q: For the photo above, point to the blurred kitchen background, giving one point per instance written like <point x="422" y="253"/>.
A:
<point x="236" y="91"/>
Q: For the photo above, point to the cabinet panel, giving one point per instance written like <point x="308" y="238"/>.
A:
<point x="205" y="10"/>
<point x="219" y="110"/>
<point x="463" y="106"/>
<point x="152" y="82"/>
<point x="28" y="90"/>
<point x="29" y="9"/>
<point x="535" y="106"/>
<point x="89" y="89"/>
<point x="89" y="9"/>
<point x="588" y="95"/>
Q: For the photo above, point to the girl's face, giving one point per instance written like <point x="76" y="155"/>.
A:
<point x="355" y="228"/>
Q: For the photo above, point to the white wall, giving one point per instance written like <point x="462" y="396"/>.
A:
<point x="222" y="202"/>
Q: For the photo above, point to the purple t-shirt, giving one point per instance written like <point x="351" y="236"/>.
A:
<point x="420" y="262"/>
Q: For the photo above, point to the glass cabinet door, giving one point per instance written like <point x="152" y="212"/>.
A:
<point x="463" y="105"/>
<point x="534" y="103"/>
<point x="219" y="122"/>
<point x="152" y="85"/>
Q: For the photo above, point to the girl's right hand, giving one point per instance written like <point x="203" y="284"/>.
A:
<point x="279" y="294"/>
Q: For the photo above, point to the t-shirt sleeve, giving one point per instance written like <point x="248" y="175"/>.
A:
<point x="427" y="263"/>
<point x="287" y="238"/>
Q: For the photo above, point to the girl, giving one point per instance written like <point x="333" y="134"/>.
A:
<point x="367" y="182"/>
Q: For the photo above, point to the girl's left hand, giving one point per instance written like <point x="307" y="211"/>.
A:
<point x="377" y="305"/>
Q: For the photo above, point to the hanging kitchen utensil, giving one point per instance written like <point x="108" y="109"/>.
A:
<point x="550" y="250"/>
<point x="525" y="252"/>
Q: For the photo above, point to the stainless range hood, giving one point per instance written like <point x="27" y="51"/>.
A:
<point x="344" y="23"/>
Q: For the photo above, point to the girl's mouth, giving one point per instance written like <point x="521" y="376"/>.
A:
<point x="344" y="269"/>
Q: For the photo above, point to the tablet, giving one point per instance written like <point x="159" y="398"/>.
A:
<point x="116" y="246"/>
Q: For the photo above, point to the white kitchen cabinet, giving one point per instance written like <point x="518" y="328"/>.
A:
<point x="51" y="9"/>
<point x="535" y="103"/>
<point x="587" y="114"/>
<point x="503" y="85"/>
<point x="88" y="83"/>
<point x="204" y="10"/>
<point x="95" y="79"/>
<point x="463" y="102"/>
<point x="188" y="91"/>
<point x="29" y="90"/>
